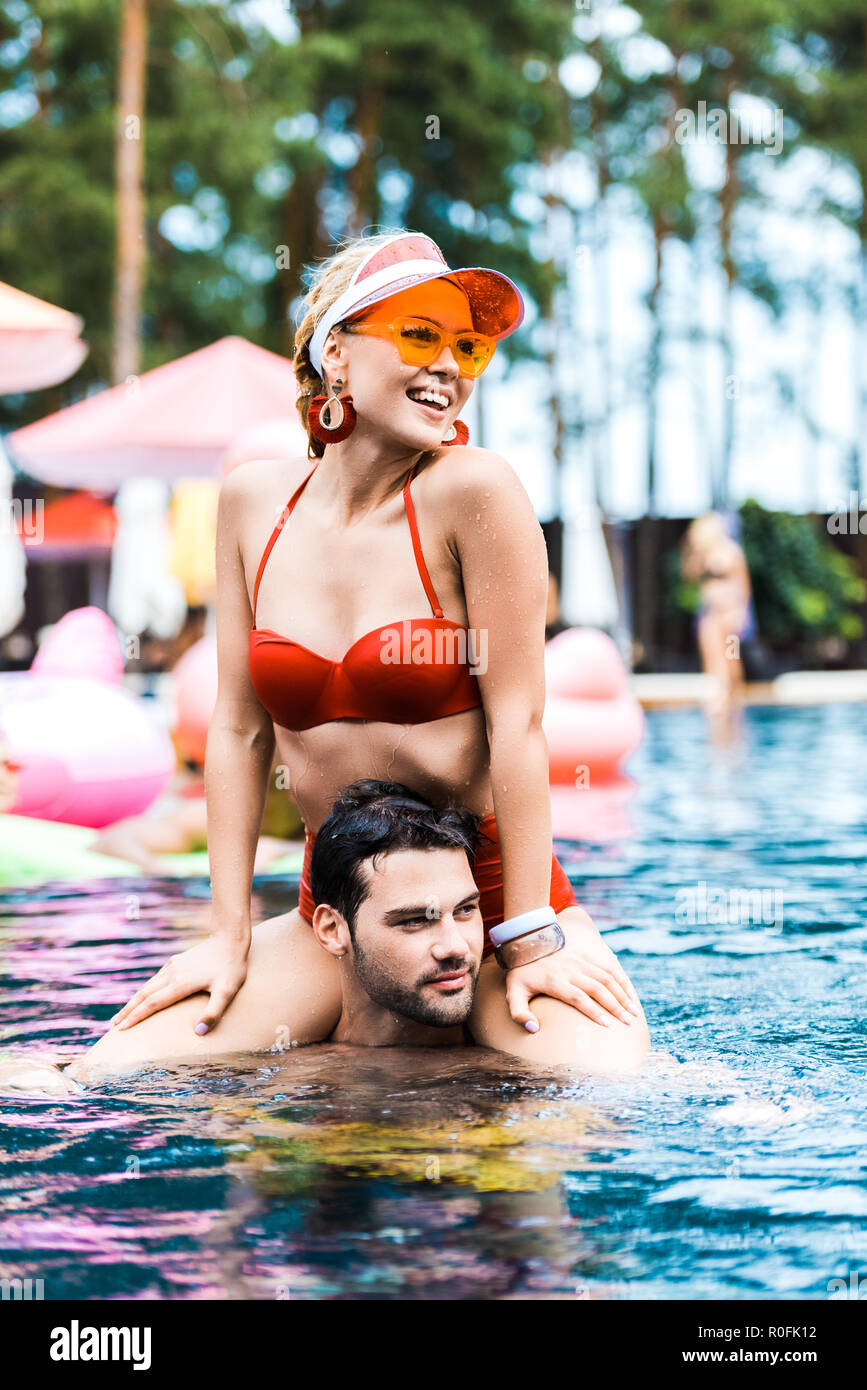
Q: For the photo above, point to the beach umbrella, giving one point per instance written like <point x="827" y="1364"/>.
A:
<point x="282" y="438"/>
<point x="39" y="344"/>
<point x="172" y="422"/>
<point x="588" y="596"/>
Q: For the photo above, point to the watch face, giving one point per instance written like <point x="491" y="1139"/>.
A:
<point x="533" y="945"/>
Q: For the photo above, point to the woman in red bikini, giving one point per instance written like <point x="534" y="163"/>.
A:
<point x="391" y="625"/>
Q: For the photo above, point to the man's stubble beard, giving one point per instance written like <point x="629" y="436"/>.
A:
<point x="409" y="1001"/>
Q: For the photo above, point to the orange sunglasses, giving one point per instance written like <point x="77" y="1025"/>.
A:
<point x="420" y="342"/>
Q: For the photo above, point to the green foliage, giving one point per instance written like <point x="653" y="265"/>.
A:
<point x="803" y="586"/>
<point x="224" y="147"/>
<point x="297" y="123"/>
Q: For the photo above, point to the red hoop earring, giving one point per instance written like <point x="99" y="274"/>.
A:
<point x="331" y="419"/>
<point x="457" y="434"/>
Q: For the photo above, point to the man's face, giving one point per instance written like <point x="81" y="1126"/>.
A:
<point x="418" y="935"/>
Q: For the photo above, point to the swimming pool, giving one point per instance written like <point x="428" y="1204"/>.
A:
<point x="734" y="1167"/>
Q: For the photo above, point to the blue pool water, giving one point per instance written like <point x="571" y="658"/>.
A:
<point x="733" y="1167"/>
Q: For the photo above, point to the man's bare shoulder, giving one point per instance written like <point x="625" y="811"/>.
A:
<point x="251" y="1023"/>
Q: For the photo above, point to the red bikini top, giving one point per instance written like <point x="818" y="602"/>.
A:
<point x="408" y="672"/>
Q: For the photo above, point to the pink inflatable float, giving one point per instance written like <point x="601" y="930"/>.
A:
<point x="90" y="752"/>
<point x="82" y="643"/>
<point x="591" y="721"/>
<point x="599" y="812"/>
<point x="195" y="682"/>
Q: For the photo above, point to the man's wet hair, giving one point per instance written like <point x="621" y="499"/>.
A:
<point x="371" y="818"/>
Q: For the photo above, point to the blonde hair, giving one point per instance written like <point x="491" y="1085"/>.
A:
<point x="329" y="280"/>
<point x="702" y="536"/>
<point x="705" y="531"/>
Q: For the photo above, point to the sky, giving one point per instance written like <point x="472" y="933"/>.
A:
<point x="776" y="457"/>
<point x="810" y="353"/>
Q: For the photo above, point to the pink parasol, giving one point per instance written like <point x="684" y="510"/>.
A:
<point x="39" y="344"/>
<point x="174" y="421"/>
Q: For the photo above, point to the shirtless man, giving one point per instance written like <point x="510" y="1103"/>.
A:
<point x="397" y="907"/>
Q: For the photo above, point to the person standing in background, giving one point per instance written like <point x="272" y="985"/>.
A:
<point x="711" y="558"/>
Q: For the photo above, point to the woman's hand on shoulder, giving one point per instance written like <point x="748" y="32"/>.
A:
<point x="584" y="973"/>
<point x="217" y="967"/>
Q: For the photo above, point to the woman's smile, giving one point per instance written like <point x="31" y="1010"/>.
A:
<point x="430" y="396"/>
<point x="432" y="411"/>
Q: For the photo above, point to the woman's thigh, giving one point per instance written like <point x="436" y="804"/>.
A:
<point x="711" y="644"/>
<point x="565" y="1037"/>
<point x="291" y="995"/>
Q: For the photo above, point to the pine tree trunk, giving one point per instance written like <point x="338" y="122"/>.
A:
<point x="860" y="466"/>
<point x="302" y="230"/>
<point x="728" y="203"/>
<point x="601" y="274"/>
<point x="301" y="233"/>
<point x="362" y="180"/>
<point x="129" y="166"/>
<point x="654" y="367"/>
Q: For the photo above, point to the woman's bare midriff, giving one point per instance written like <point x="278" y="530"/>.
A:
<point x="724" y="592"/>
<point x="445" y="761"/>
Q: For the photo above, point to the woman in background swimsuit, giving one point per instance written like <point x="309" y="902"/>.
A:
<point x="710" y="557"/>
<point x="351" y="632"/>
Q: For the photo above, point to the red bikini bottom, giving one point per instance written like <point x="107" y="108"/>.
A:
<point x="487" y="871"/>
